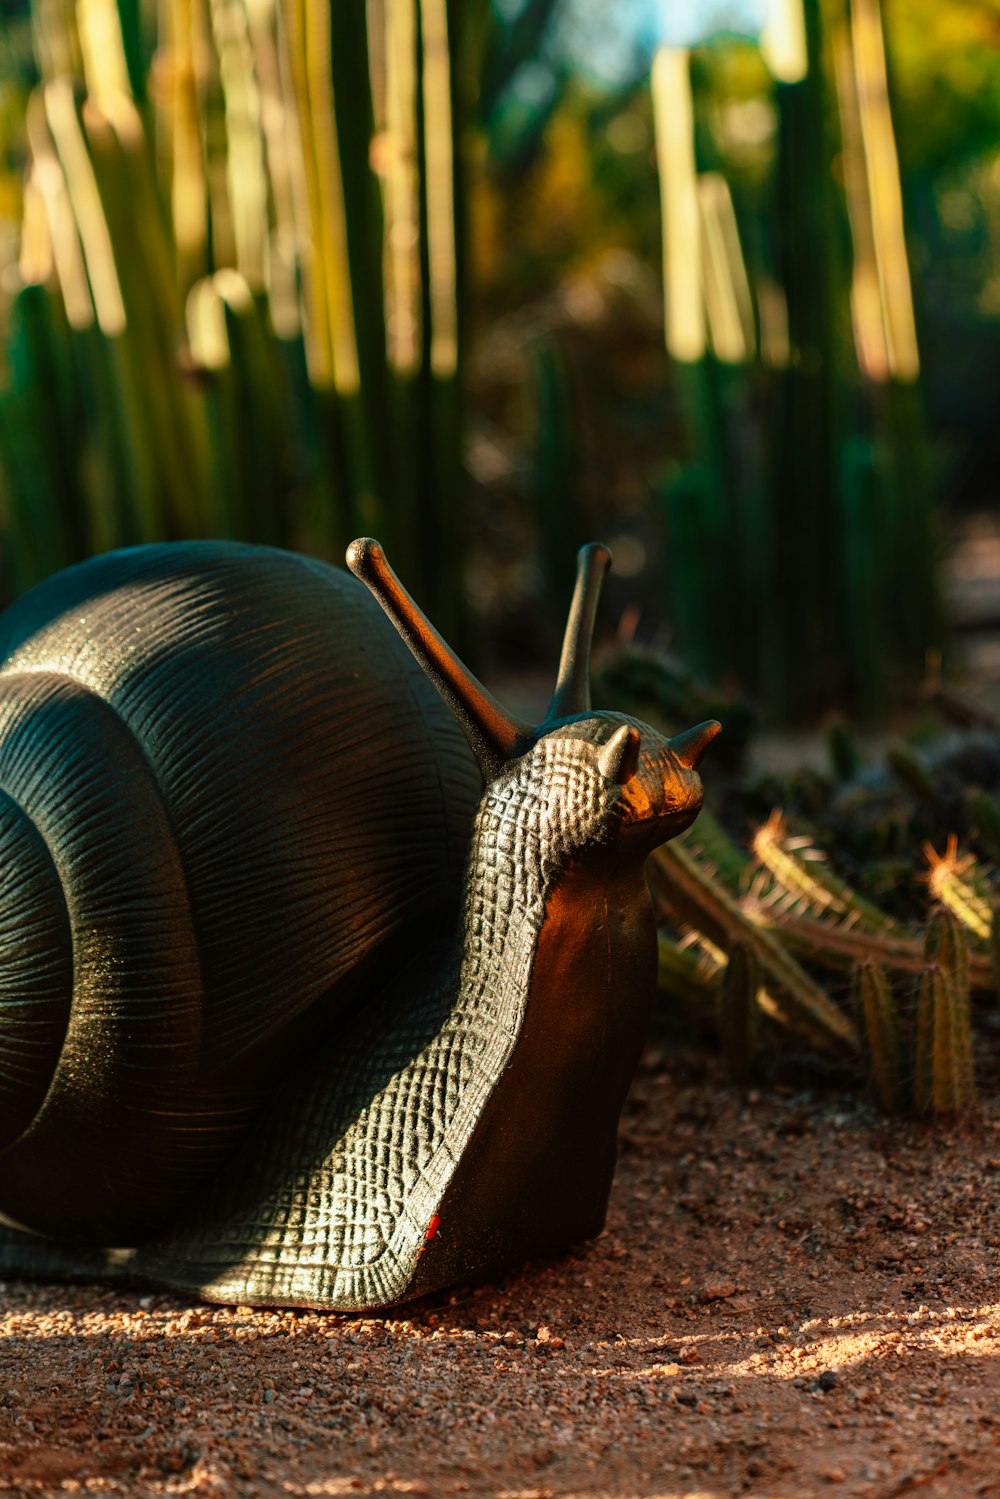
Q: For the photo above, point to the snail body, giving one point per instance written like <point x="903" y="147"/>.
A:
<point x="261" y="1024"/>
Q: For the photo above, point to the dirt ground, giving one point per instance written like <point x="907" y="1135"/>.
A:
<point x="792" y="1297"/>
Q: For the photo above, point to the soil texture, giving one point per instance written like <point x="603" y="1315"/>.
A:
<point x="793" y="1296"/>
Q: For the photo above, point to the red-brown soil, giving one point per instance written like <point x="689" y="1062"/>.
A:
<point x="793" y="1297"/>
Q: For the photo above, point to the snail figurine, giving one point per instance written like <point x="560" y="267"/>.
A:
<point x="322" y="977"/>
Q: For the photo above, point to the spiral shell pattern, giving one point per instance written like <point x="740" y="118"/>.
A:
<point x="227" y="799"/>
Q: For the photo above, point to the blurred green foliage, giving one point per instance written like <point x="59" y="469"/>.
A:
<point x="805" y="480"/>
<point x="233" y="249"/>
<point x="313" y="213"/>
<point x="801" y="542"/>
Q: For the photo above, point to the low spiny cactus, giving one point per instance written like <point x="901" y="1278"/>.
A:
<point x="696" y="900"/>
<point x="872" y="819"/>
<point x="844" y="888"/>
<point x="755" y="934"/>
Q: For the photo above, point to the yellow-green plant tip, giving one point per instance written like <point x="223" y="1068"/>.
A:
<point x="806" y="883"/>
<point x="739" y="1011"/>
<point x="958" y="884"/>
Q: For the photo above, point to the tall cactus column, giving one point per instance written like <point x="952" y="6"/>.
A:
<point x="802" y="436"/>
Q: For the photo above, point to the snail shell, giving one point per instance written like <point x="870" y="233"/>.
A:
<point x="228" y="802"/>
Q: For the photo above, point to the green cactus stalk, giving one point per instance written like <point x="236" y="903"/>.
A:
<point x="686" y="973"/>
<point x="984" y="815"/>
<point x="739" y="1013"/>
<point x="944" y="1079"/>
<point x="946" y="943"/>
<point x="844" y="947"/>
<point x="944" y="1070"/>
<point x="803" y="407"/>
<point x="713" y="848"/>
<point x="842" y="750"/>
<point x="911" y="771"/>
<point x="878" y="1023"/>
<point x="555" y="477"/>
<point x="928" y="1001"/>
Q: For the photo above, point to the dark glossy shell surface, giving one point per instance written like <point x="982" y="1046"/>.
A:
<point x="259" y="762"/>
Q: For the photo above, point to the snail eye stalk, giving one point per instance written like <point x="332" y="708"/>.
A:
<point x="572" y="694"/>
<point x="494" y="734"/>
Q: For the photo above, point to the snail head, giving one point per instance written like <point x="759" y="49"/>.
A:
<point x="602" y="775"/>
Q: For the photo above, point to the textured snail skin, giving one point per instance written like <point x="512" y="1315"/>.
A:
<point x="456" y="1111"/>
